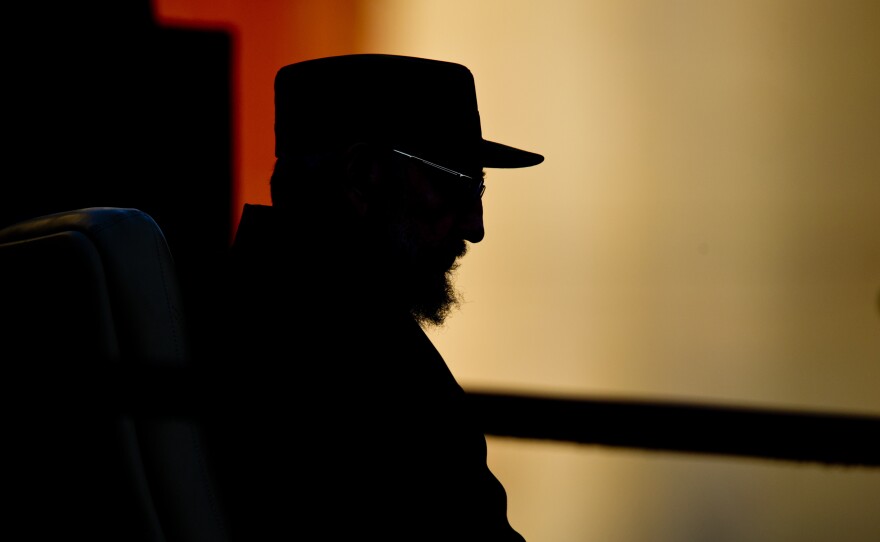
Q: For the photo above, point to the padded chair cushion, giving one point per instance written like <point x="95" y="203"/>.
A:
<point x="125" y="275"/>
<point x="84" y="292"/>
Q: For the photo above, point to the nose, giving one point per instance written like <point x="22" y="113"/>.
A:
<point x="471" y="222"/>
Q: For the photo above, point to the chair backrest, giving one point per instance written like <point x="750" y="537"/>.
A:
<point x="83" y="293"/>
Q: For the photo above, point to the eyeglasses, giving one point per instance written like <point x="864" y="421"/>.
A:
<point x="479" y="186"/>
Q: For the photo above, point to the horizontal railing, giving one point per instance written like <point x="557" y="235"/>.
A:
<point x="789" y="435"/>
<point x="832" y="438"/>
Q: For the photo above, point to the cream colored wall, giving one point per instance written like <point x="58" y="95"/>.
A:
<point x="706" y="226"/>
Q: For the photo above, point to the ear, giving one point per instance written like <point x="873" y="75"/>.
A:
<point x="361" y="177"/>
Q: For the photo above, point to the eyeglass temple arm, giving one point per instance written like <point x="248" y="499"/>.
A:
<point x="432" y="164"/>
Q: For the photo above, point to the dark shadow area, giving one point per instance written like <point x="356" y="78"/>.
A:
<point x="106" y="108"/>
<point x="96" y="323"/>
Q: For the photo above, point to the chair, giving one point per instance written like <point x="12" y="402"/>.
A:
<point x="91" y="303"/>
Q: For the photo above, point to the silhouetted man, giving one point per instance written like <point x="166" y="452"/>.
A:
<point x="351" y="425"/>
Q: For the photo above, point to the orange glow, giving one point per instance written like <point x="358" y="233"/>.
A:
<point x="289" y="32"/>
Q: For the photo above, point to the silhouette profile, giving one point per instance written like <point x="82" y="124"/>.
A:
<point x="346" y="420"/>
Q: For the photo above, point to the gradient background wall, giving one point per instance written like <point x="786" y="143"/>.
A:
<point x="706" y="227"/>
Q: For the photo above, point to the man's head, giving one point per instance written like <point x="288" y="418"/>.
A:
<point x="421" y="219"/>
<point x="393" y="146"/>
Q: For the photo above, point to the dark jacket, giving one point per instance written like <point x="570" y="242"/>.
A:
<point x="347" y="423"/>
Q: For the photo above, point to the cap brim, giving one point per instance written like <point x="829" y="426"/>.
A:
<point x="496" y="155"/>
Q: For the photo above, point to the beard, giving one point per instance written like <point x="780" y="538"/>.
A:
<point x="433" y="295"/>
<point x="427" y="280"/>
<point x="420" y="276"/>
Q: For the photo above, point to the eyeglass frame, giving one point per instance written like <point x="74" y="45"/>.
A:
<point x="480" y="188"/>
